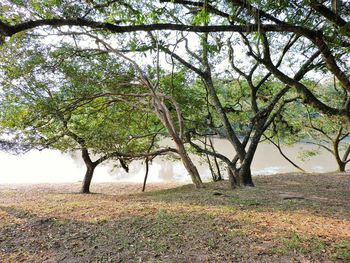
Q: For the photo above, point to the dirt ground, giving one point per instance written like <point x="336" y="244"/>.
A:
<point x="285" y="218"/>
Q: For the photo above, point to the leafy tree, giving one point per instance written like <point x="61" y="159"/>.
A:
<point x="262" y="100"/>
<point x="330" y="134"/>
<point x="303" y="123"/>
<point x="284" y="39"/>
<point x="54" y="100"/>
<point x="316" y="22"/>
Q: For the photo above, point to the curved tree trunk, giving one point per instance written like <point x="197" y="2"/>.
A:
<point x="87" y="179"/>
<point x="90" y="168"/>
<point x="341" y="166"/>
<point x="218" y="176"/>
<point x="346" y="156"/>
<point x="244" y="172"/>
<point x="164" y="115"/>
<point x="234" y="183"/>
<point x="189" y="165"/>
<point x="146" y="175"/>
<point x="245" y="175"/>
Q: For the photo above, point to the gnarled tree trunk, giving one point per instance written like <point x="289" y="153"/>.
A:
<point x="90" y="168"/>
<point x="164" y="115"/>
<point x="190" y="167"/>
<point x="341" y="162"/>
<point x="341" y="166"/>
<point x="87" y="179"/>
<point x="245" y="175"/>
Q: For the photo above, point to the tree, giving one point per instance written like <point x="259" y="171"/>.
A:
<point x="200" y="16"/>
<point x="242" y="16"/>
<point x="304" y="123"/>
<point x="174" y="126"/>
<point x="54" y="100"/>
<point x="263" y="101"/>
<point x="330" y="134"/>
<point x="312" y="28"/>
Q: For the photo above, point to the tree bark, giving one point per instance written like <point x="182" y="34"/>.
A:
<point x="87" y="179"/>
<point x="164" y="115"/>
<point x="218" y="176"/>
<point x="213" y="176"/>
<point x="232" y="179"/>
<point x="189" y="165"/>
<point x="146" y="175"/>
<point x="90" y="168"/>
<point x="341" y="166"/>
<point x="244" y="172"/>
<point x="340" y="163"/>
<point x="229" y="132"/>
<point x="245" y="175"/>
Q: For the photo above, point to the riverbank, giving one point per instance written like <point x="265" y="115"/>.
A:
<point x="285" y="218"/>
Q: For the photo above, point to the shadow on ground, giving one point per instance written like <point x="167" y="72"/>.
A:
<point x="286" y="218"/>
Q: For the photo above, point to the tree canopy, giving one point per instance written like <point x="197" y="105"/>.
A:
<point x="200" y="68"/>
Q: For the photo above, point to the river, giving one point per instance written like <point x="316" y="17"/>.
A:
<point x="49" y="166"/>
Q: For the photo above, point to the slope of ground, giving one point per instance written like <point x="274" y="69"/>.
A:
<point x="285" y="218"/>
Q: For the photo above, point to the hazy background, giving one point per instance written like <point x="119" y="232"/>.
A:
<point x="50" y="166"/>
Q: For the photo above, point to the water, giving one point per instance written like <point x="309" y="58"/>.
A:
<point x="51" y="166"/>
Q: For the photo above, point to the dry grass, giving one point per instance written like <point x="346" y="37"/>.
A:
<point x="285" y="218"/>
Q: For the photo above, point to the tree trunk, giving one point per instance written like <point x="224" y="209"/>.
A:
<point x="190" y="167"/>
<point x="340" y="163"/>
<point x="341" y="166"/>
<point x="213" y="176"/>
<point x="245" y="175"/>
<point x="231" y="136"/>
<point x="218" y="171"/>
<point x="186" y="160"/>
<point x="164" y="115"/>
<point x="146" y="175"/>
<point x="232" y="178"/>
<point x="244" y="172"/>
<point x="218" y="176"/>
<point x="87" y="179"/>
<point x="90" y="167"/>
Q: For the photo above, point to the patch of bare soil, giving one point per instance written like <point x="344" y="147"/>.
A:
<point x="285" y="218"/>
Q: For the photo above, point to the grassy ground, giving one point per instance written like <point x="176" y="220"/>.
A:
<point x="285" y="218"/>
